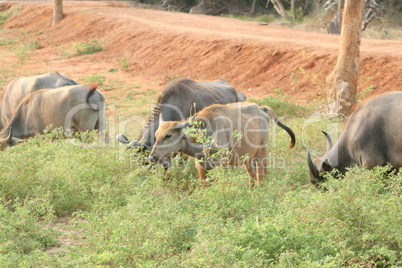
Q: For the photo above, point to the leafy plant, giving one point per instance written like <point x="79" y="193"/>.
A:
<point x="25" y="51"/>
<point x="282" y="107"/>
<point x="95" y="78"/>
<point x="92" y="47"/>
<point x="82" y="48"/>
<point x="5" y="15"/>
<point x="125" y="62"/>
<point x="132" y="213"/>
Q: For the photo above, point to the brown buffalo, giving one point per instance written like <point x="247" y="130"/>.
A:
<point x="239" y="130"/>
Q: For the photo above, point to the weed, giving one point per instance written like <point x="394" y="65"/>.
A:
<point x="92" y="47"/>
<point x="82" y="48"/>
<point x="95" y="78"/>
<point x="282" y="107"/>
<point x="7" y="42"/>
<point x="4" y="16"/>
<point x="279" y="91"/>
<point x="129" y="216"/>
<point x="265" y="18"/>
<point x="125" y="62"/>
<point x="25" y="51"/>
<point x="365" y="92"/>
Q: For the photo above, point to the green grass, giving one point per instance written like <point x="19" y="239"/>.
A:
<point x="125" y="62"/>
<point x="283" y="107"/>
<point x="25" y="51"/>
<point x="95" y="78"/>
<point x="121" y="213"/>
<point x="81" y="48"/>
<point x="5" y="15"/>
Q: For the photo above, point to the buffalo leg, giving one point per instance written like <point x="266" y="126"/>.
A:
<point x="260" y="160"/>
<point x="202" y="168"/>
<point x="252" y="172"/>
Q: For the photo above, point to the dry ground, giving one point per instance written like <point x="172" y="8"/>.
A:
<point x="259" y="60"/>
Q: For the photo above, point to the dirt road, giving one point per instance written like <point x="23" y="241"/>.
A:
<point x="257" y="59"/>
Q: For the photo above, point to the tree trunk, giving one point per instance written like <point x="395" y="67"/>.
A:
<point x="57" y="11"/>
<point x="336" y="24"/>
<point x="279" y="8"/>
<point x="252" y="9"/>
<point x="342" y="82"/>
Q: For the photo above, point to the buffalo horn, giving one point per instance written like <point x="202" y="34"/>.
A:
<point x="135" y="144"/>
<point x="122" y="138"/>
<point x="160" y="118"/>
<point x="9" y="139"/>
<point x="313" y="169"/>
<point x="329" y="140"/>
<point x="191" y="119"/>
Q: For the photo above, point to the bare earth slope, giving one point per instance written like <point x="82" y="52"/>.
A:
<point x="258" y="60"/>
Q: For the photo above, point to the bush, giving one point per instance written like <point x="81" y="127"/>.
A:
<point x="124" y="213"/>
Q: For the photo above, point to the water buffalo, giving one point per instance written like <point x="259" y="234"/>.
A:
<point x="179" y="101"/>
<point x="372" y="137"/>
<point x="75" y="108"/>
<point x="19" y="87"/>
<point x="236" y="134"/>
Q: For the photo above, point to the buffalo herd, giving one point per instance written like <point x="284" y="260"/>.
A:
<point x="31" y="105"/>
<point x="207" y="120"/>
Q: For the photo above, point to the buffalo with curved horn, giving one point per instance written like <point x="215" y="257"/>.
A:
<point x="180" y="100"/>
<point x="372" y="137"/>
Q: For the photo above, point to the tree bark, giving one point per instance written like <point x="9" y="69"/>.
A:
<point x="342" y="82"/>
<point x="279" y="8"/>
<point x="252" y="9"/>
<point x="336" y="24"/>
<point x="57" y="11"/>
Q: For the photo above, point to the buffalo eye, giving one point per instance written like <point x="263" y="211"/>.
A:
<point x="167" y="136"/>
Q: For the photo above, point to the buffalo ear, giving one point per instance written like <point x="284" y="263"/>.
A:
<point x="326" y="166"/>
<point x="182" y="125"/>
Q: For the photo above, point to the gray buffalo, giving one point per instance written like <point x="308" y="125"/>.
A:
<point x="372" y="137"/>
<point x="75" y="108"/>
<point x="235" y="134"/>
<point x="19" y="87"/>
<point x="180" y="100"/>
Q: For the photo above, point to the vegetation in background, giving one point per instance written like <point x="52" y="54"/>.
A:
<point x="282" y="107"/>
<point x="82" y="48"/>
<point x="25" y="51"/>
<point x="95" y="78"/>
<point x="125" y="62"/>
<point x="5" y="15"/>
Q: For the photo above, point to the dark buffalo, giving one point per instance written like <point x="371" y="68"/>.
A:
<point x="372" y="137"/>
<point x="180" y="100"/>
<point x="19" y="87"/>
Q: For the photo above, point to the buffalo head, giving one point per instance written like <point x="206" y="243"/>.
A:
<point x="169" y="139"/>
